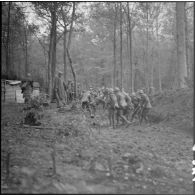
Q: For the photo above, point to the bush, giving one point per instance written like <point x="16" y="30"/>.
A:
<point x="39" y="101"/>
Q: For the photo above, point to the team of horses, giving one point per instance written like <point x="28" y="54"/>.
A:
<point x="118" y="104"/>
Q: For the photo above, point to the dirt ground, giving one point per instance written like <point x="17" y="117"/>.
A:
<point x="91" y="157"/>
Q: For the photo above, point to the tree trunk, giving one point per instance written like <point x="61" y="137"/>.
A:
<point x="121" y="48"/>
<point x="158" y="59"/>
<point x="130" y="51"/>
<point x="186" y="40"/>
<point x="72" y="69"/>
<point x="152" y="73"/>
<point x="65" y="64"/>
<point x="114" y="47"/>
<point x="68" y="48"/>
<point x="64" y="44"/>
<point x="147" y="49"/>
<point x="26" y="52"/>
<point x="52" y="51"/>
<point x="181" y="48"/>
<point x="71" y="26"/>
<point x="8" y="42"/>
<point x="151" y="89"/>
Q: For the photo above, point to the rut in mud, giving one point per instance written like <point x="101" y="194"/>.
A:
<point x="91" y="157"/>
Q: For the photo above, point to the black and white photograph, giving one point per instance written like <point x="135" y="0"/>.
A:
<point x="97" y="97"/>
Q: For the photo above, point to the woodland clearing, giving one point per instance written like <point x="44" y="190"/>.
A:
<point x="91" y="157"/>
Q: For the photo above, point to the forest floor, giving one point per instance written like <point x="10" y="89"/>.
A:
<point x="91" y="157"/>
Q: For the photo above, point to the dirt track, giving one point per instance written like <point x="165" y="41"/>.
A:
<point x="158" y="157"/>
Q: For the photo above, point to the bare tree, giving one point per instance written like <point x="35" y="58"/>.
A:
<point x="130" y="28"/>
<point x="181" y="48"/>
<point x="186" y="40"/>
<point x="114" y="45"/>
<point x="68" y="48"/>
<point x="158" y="56"/>
<point x="8" y="41"/>
<point x="121" y="48"/>
<point x="52" y="48"/>
<point x="147" y="46"/>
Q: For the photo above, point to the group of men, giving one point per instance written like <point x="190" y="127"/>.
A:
<point x="118" y="103"/>
<point x="65" y="93"/>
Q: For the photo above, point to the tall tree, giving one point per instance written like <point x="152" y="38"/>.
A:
<point x="52" y="48"/>
<point x="130" y="28"/>
<point x="114" y="45"/>
<point x="26" y="51"/>
<point x="8" y="41"/>
<point x="181" y="48"/>
<point x="186" y="40"/>
<point x="68" y="48"/>
<point x="158" y="55"/>
<point x="64" y="41"/>
<point x="147" y="45"/>
<point x="121" y="48"/>
<point x="48" y="11"/>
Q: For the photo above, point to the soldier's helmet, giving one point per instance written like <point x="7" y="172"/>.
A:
<point x="141" y="92"/>
<point x="28" y="77"/>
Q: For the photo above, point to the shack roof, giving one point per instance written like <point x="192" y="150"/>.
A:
<point x="13" y="82"/>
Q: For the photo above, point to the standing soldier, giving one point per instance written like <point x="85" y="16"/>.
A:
<point x="27" y="88"/>
<point x="145" y="105"/>
<point x="122" y="105"/>
<point x="135" y="100"/>
<point x="59" y="90"/>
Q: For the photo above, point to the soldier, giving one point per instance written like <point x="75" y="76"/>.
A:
<point x="59" y="90"/>
<point x="122" y="105"/>
<point x="129" y="106"/>
<point x="135" y="101"/>
<point x="85" y="100"/>
<point x="111" y="105"/>
<point x="145" y="104"/>
<point x="27" y="88"/>
<point x="88" y="103"/>
<point x="79" y="91"/>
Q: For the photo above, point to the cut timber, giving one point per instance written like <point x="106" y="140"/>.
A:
<point x="39" y="127"/>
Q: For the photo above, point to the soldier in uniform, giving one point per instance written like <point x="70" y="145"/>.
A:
<point x="27" y="88"/>
<point x="122" y="105"/>
<point x="59" y="90"/>
<point x="135" y="101"/>
<point x="145" y="104"/>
